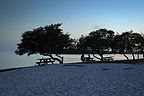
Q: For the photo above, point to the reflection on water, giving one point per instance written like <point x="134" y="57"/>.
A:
<point x="10" y="60"/>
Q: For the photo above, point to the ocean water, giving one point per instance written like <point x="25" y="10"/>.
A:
<point x="11" y="60"/>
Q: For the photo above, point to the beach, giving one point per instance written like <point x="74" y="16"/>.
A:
<point x="74" y="80"/>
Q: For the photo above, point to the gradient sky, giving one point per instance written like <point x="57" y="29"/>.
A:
<point x="79" y="17"/>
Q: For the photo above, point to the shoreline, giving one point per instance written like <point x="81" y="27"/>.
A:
<point x="139" y="61"/>
<point x="9" y="69"/>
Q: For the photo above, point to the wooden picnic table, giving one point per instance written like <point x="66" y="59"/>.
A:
<point x="88" y="59"/>
<point x="44" y="61"/>
<point x="110" y="58"/>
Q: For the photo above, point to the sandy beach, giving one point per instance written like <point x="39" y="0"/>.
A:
<point x="70" y="80"/>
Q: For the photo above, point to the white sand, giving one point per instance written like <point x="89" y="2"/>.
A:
<point x="87" y="80"/>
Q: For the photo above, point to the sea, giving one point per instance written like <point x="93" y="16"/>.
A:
<point x="11" y="60"/>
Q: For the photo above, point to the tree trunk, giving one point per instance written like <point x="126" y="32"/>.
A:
<point x="142" y="52"/>
<point x="57" y="59"/>
<point x="137" y="54"/>
<point x="126" y="56"/>
<point x="60" y="58"/>
<point x="101" y="55"/>
<point x="89" y="55"/>
<point x="82" y="57"/>
<point x="96" y="57"/>
<point x="133" y="56"/>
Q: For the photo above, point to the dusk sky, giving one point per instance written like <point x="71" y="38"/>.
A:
<point x="78" y="17"/>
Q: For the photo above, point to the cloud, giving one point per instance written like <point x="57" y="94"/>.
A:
<point x="96" y="27"/>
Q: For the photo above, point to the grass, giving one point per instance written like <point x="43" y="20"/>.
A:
<point x="78" y="65"/>
<point x="136" y="61"/>
<point x="94" y="62"/>
<point x="3" y="70"/>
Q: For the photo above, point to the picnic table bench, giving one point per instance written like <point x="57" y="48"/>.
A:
<point x="88" y="59"/>
<point x="44" y="61"/>
<point x="108" y="58"/>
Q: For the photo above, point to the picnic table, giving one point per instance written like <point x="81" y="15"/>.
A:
<point x="88" y="59"/>
<point x="44" y="61"/>
<point x="108" y="58"/>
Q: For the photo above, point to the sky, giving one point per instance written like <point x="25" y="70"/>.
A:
<point x="78" y="17"/>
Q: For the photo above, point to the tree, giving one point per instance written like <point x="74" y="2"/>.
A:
<point x="48" y="40"/>
<point x="128" y="42"/>
<point x="138" y="40"/>
<point x="98" y="41"/>
<point x="119" y="45"/>
<point x="82" y="45"/>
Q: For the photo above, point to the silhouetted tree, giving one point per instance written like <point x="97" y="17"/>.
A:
<point x="128" y="42"/>
<point x="119" y="45"/>
<point x="98" y="41"/>
<point x="82" y="43"/>
<point x="48" y="40"/>
<point x="138" y="40"/>
<point x="81" y="46"/>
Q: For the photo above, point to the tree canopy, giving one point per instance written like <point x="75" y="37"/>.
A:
<point x="97" y="41"/>
<point x="128" y="42"/>
<point x="105" y="41"/>
<point x="46" y="40"/>
<point x="50" y="40"/>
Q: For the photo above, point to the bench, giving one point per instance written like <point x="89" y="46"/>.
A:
<point x="45" y="61"/>
<point x="87" y="59"/>
<point x="108" y="58"/>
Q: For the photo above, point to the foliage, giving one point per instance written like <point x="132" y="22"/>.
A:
<point x="50" y="40"/>
<point x="44" y="40"/>
<point x="128" y="42"/>
<point x="98" y="41"/>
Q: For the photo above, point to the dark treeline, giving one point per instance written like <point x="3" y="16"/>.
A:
<point x="50" y="40"/>
<point x="105" y="41"/>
